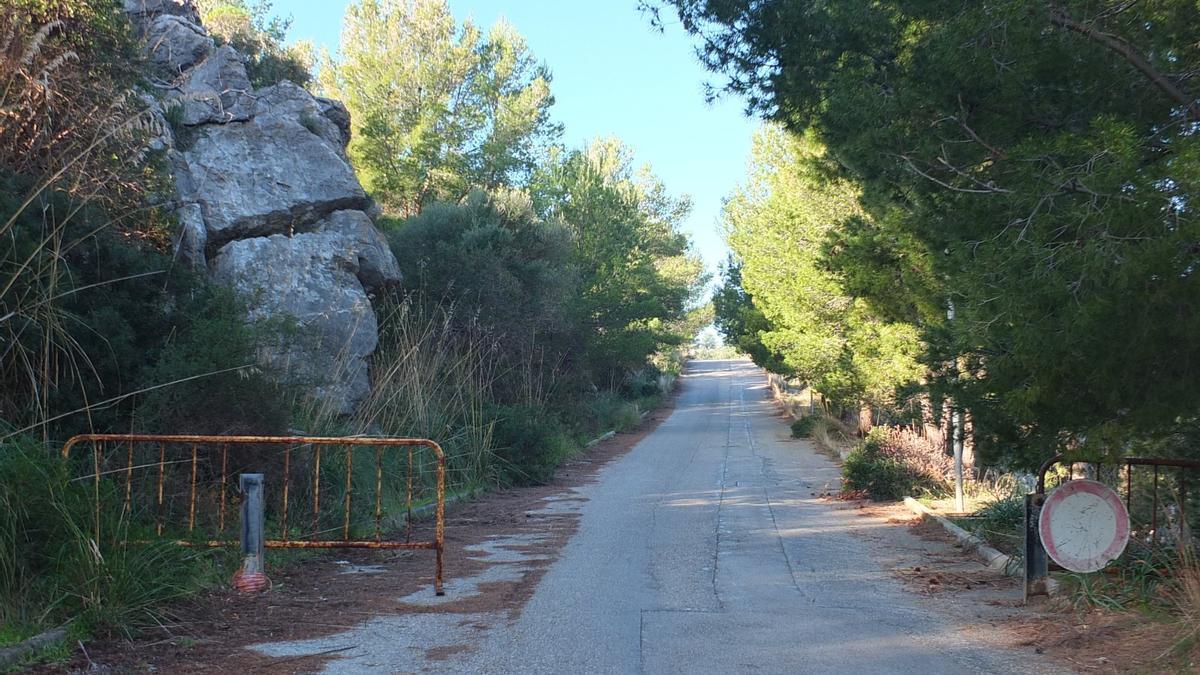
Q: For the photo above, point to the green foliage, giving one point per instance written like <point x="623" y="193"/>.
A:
<point x="803" y="427"/>
<point x="740" y="322"/>
<point x="880" y="478"/>
<point x="638" y="276"/>
<point x="52" y="569"/>
<point x="116" y="317"/>
<point x="503" y="271"/>
<point x="529" y="442"/>
<point x="257" y="35"/>
<point x="782" y="303"/>
<point x="1150" y="579"/>
<point x="1000" y="522"/>
<point x="214" y="383"/>
<point x="883" y="474"/>
<point x="609" y="411"/>
<point x="438" y="108"/>
<point x="432" y="377"/>
<point x="642" y="384"/>
<point x="1034" y="163"/>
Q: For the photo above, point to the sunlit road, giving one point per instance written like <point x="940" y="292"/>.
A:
<point x="704" y="550"/>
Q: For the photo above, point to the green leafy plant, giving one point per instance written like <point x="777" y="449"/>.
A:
<point x="529" y="444"/>
<point x="251" y="28"/>
<point x="1045" y="205"/>
<point x="52" y="569"/>
<point x="482" y="119"/>
<point x="803" y="427"/>
<point x="874" y="469"/>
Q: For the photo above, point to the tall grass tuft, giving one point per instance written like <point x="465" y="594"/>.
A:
<point x="429" y="381"/>
<point x="52" y="567"/>
<point x="72" y="149"/>
<point x="1184" y="593"/>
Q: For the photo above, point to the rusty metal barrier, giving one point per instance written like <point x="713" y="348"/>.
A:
<point x="1036" y="562"/>
<point x="291" y="444"/>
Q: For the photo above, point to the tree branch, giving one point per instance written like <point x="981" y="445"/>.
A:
<point x="988" y="189"/>
<point x="1060" y="18"/>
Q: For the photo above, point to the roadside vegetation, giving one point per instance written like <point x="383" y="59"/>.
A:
<point x="548" y="291"/>
<point x="984" y="209"/>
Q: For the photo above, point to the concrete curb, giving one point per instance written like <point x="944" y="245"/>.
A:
<point x="995" y="560"/>
<point x="602" y="437"/>
<point x="428" y="509"/>
<point x="10" y="656"/>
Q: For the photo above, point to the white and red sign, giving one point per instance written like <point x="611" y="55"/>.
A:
<point x="1084" y="525"/>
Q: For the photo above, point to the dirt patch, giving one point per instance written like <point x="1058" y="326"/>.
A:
<point x="326" y="594"/>
<point x="1102" y="641"/>
<point x="1087" y="639"/>
<point x="443" y="653"/>
<point x="931" y="580"/>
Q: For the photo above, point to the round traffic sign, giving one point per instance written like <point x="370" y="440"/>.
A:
<point x="1084" y="526"/>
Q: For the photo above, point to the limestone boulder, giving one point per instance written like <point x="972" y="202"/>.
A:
<point x="267" y="202"/>
<point x="377" y="266"/>
<point x="336" y="112"/>
<point x="270" y="175"/>
<point x="192" y="238"/>
<point x="320" y="116"/>
<point x="216" y="90"/>
<point x="142" y="13"/>
<point x="311" y="278"/>
<point x="173" y="45"/>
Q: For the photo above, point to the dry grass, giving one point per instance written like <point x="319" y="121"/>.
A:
<point x="832" y="437"/>
<point x="429" y="381"/>
<point x="1184" y="594"/>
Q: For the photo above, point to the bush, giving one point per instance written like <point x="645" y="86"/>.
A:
<point x="880" y="478"/>
<point x="803" y="427"/>
<point x="607" y="411"/>
<point x="116" y="315"/>
<point x="923" y="457"/>
<point x="878" y="470"/>
<point x="51" y="567"/>
<point x="505" y="275"/>
<point x="643" y="384"/>
<point x="529" y="444"/>
<point x="1001" y="521"/>
<point x="260" y="38"/>
<point x="231" y="392"/>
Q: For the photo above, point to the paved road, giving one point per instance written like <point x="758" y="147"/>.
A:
<point x="704" y="550"/>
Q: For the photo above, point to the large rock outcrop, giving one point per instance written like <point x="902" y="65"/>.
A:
<point x="313" y="279"/>
<point x="268" y="203"/>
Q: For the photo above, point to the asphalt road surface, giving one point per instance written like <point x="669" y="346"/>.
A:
<point x="707" y="549"/>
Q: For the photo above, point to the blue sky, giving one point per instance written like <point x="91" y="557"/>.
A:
<point x="613" y="76"/>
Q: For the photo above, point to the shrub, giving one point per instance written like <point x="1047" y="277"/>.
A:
<point x="72" y="163"/>
<point x="260" y="38"/>
<point x="51" y="567"/>
<point x="880" y="478"/>
<point x="505" y="274"/>
<point x="803" y="426"/>
<point x="642" y="384"/>
<point x="924" y="458"/>
<point x="1002" y="515"/>
<point x="215" y="384"/>
<point x="607" y="411"/>
<point x="431" y="378"/>
<point x="878" y="469"/>
<point x="529" y="443"/>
